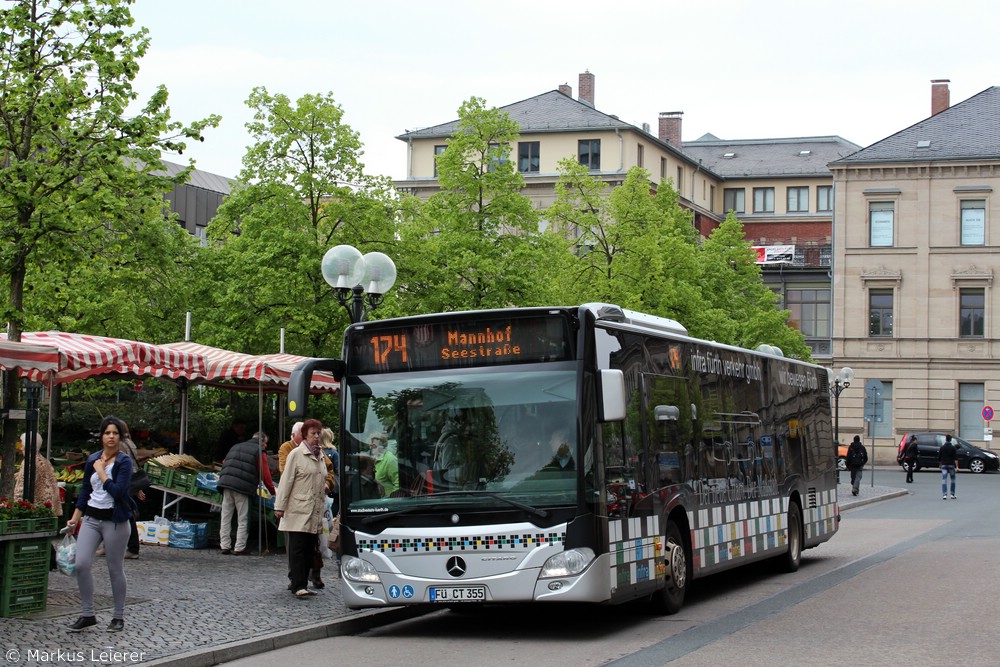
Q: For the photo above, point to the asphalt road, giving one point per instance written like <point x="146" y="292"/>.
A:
<point x="907" y="581"/>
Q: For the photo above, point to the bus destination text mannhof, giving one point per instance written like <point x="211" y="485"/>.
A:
<point x="476" y="344"/>
<point x="462" y="342"/>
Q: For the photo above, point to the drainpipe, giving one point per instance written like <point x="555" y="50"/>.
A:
<point x="694" y="178"/>
<point x="409" y="158"/>
<point x="621" y="151"/>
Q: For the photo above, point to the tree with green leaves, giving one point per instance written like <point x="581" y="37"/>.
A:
<point x="476" y="243"/>
<point x="641" y="251"/>
<point x="744" y="309"/>
<point x="79" y="179"/>
<point x="302" y="191"/>
<point x="633" y="248"/>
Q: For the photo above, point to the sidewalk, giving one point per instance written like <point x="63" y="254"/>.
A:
<point x="889" y="483"/>
<point x="186" y="607"/>
<point x="193" y="608"/>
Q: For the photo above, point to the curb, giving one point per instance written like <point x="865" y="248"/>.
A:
<point x="364" y="620"/>
<point x="868" y="501"/>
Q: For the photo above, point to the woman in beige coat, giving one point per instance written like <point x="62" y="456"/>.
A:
<point x="300" y="504"/>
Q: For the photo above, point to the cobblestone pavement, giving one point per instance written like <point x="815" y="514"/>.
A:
<point x="198" y="607"/>
<point x="184" y="607"/>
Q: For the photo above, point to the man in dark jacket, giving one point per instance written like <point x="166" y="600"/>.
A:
<point x="243" y="468"/>
<point x="857" y="457"/>
<point x="948" y="459"/>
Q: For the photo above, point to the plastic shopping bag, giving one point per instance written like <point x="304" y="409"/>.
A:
<point x="324" y="547"/>
<point x="66" y="555"/>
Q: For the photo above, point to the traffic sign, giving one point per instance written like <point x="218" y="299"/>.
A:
<point x="988" y="413"/>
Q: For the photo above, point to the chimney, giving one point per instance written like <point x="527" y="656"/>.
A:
<point x="587" y="88"/>
<point x="566" y="90"/>
<point x="940" y="95"/>
<point x="670" y="127"/>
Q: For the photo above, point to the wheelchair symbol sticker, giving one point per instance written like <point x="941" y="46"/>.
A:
<point x="407" y="592"/>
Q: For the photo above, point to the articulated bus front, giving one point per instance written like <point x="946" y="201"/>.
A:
<point x="462" y="462"/>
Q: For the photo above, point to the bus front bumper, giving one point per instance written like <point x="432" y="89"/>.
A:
<point x="521" y="585"/>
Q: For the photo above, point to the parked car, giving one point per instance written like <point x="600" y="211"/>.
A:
<point x="970" y="457"/>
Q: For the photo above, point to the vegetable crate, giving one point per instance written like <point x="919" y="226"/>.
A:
<point x="186" y="481"/>
<point x="25" y="568"/>
<point x="25" y="555"/>
<point x="24" y="599"/>
<point x="159" y="475"/>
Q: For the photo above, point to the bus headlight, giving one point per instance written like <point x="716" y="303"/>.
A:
<point x="356" y="569"/>
<point x="567" y="563"/>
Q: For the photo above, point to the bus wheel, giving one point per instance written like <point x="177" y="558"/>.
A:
<point x="670" y="598"/>
<point x="792" y="558"/>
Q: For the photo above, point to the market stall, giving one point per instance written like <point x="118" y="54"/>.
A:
<point x="264" y="373"/>
<point x="55" y="357"/>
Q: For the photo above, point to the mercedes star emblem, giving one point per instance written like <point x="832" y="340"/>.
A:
<point x="456" y="566"/>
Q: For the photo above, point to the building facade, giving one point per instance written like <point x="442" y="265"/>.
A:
<point x="196" y="201"/>
<point x="782" y="192"/>
<point x="554" y="126"/>
<point x="914" y="252"/>
<point x="780" y="189"/>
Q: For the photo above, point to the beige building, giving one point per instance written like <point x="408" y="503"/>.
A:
<point x="554" y="126"/>
<point x="883" y="255"/>
<point x="782" y="192"/>
<point x="781" y="189"/>
<point x="914" y="259"/>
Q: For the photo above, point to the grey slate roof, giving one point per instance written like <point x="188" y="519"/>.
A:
<point x="202" y="179"/>
<point x="548" y="112"/>
<point x="754" y="158"/>
<point x="969" y="130"/>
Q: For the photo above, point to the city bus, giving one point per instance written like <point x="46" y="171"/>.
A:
<point x="572" y="454"/>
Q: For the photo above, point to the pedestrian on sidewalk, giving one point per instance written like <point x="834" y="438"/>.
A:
<point x="103" y="509"/>
<point x="910" y="458"/>
<point x="948" y="460"/>
<point x="243" y="468"/>
<point x="137" y="490"/>
<point x="857" y="457"/>
<point x="300" y="504"/>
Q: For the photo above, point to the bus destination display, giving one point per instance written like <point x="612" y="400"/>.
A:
<point x="459" y="343"/>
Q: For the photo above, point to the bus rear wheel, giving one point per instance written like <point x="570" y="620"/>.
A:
<point x="791" y="559"/>
<point x="670" y="598"/>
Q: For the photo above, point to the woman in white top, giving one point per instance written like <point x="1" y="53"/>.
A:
<point x="103" y="510"/>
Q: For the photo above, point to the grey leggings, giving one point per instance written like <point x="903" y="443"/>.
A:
<point x="115" y="537"/>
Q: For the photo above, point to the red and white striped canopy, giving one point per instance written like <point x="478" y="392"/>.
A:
<point x="234" y="369"/>
<point x="82" y="356"/>
<point x="28" y="357"/>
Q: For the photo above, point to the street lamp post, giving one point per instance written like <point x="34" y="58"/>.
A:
<point x="359" y="282"/>
<point x="841" y="381"/>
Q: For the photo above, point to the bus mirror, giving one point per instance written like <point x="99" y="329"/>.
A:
<point x="301" y="378"/>
<point x="666" y="413"/>
<point x="612" y="395"/>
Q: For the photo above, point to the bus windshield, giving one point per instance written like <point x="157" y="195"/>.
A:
<point x="497" y="437"/>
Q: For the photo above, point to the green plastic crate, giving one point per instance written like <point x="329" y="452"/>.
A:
<point x="21" y="577"/>
<point x="186" y="481"/>
<point x="24" y="599"/>
<point x="14" y="526"/>
<point x="159" y="475"/>
<point x="26" y="553"/>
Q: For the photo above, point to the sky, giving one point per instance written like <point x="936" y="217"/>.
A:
<point x="739" y="70"/>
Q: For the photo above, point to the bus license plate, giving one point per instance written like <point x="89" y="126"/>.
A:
<point x="458" y="593"/>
